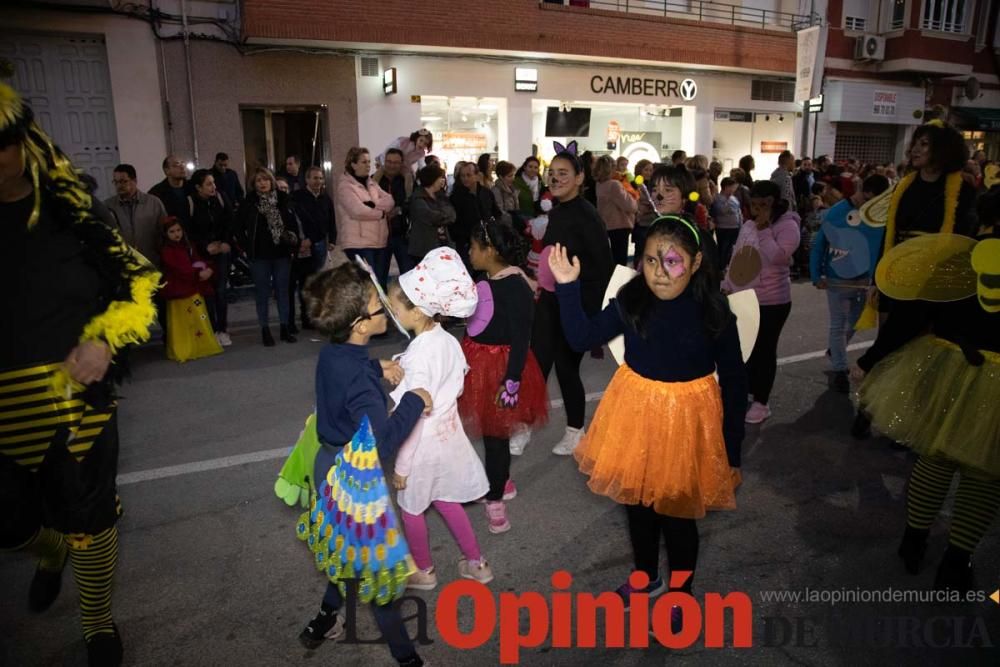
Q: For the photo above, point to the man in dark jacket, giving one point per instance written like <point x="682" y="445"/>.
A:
<point x="398" y="182"/>
<point x="803" y="180"/>
<point x="315" y="212"/>
<point x="227" y="180"/>
<point x="173" y="190"/>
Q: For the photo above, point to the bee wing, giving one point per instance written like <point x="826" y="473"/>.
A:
<point x="931" y="267"/>
<point x="875" y="211"/>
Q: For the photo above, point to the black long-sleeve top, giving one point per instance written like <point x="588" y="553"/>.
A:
<point x="317" y="215"/>
<point x="513" y="314"/>
<point x="471" y="208"/>
<point x="676" y="349"/>
<point x="211" y="220"/>
<point x="576" y="225"/>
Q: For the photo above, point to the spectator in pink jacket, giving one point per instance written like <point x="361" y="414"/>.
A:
<point x="362" y="213"/>
<point x="616" y="207"/>
<point x="761" y="260"/>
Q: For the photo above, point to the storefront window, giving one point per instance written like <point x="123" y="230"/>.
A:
<point x="464" y="127"/>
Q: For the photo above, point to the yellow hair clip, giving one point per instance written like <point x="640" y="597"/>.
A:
<point x="693" y="196"/>
<point x="937" y="122"/>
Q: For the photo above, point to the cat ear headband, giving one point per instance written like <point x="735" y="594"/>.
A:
<point x="570" y="148"/>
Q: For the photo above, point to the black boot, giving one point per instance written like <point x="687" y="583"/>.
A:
<point x="912" y="548"/>
<point x="105" y="650"/>
<point x="286" y="334"/>
<point x="955" y="571"/>
<point x="841" y="383"/>
<point x="265" y="333"/>
<point x="861" y="429"/>
<point x="292" y="329"/>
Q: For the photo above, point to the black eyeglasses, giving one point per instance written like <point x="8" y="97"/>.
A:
<point x="369" y="316"/>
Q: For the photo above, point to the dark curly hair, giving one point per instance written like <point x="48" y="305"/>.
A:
<point x="948" y="150"/>
<point x="337" y="299"/>
<point x="511" y="247"/>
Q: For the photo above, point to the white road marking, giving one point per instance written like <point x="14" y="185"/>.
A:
<point x="281" y="452"/>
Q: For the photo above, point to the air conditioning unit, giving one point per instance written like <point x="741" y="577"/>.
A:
<point x="869" y="47"/>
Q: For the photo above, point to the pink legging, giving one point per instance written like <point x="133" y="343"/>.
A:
<point x="415" y="527"/>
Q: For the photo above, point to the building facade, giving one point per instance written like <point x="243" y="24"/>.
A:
<point x="262" y="79"/>
<point x="890" y="64"/>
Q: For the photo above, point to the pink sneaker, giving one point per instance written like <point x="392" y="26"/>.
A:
<point x="758" y="413"/>
<point x="497" y="513"/>
<point x="509" y="490"/>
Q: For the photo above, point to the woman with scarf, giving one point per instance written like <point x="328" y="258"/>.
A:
<point x="75" y="297"/>
<point x="529" y="186"/>
<point x="267" y="231"/>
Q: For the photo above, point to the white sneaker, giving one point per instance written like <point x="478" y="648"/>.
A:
<point x="570" y="440"/>
<point x="224" y="339"/>
<point x="519" y="440"/>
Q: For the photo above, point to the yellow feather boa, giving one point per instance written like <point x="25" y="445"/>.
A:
<point x="952" y="188"/>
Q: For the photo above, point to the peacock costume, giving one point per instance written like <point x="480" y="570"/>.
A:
<point x="69" y="279"/>
<point x="350" y="526"/>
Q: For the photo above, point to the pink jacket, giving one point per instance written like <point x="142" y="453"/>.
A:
<point x="360" y="226"/>
<point x="615" y="206"/>
<point x="776" y="245"/>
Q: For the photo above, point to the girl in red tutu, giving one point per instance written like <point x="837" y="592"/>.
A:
<point x="504" y="387"/>
<point x="665" y="440"/>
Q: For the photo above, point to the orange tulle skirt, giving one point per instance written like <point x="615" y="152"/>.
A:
<point x="660" y="444"/>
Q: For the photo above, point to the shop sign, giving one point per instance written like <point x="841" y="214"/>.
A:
<point x="773" y="146"/>
<point x="735" y="116"/>
<point x="464" y="141"/>
<point x="686" y="89"/>
<point x="884" y="104"/>
<point x="641" y="146"/>
<point x="811" y="45"/>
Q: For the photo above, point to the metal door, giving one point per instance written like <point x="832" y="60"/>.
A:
<point x="66" y="81"/>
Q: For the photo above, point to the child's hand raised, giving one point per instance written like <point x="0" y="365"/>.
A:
<point x="392" y="371"/>
<point x="563" y="271"/>
<point x="426" y="397"/>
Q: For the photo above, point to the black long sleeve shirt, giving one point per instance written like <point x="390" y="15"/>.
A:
<point x="576" y="225"/>
<point x="513" y="315"/>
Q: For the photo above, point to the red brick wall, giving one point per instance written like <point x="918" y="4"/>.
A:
<point x="522" y="25"/>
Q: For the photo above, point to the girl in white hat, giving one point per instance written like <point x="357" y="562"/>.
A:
<point x="437" y="465"/>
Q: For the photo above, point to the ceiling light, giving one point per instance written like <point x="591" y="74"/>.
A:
<point x="430" y="119"/>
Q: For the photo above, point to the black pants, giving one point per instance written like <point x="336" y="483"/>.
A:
<point x="302" y="268"/>
<point x="497" y="465"/>
<point x="645" y="527"/>
<point x="763" y="362"/>
<point x="550" y="348"/>
<point x="727" y="239"/>
<point x="619" y="245"/>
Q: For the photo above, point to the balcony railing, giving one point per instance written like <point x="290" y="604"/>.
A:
<point x="699" y="10"/>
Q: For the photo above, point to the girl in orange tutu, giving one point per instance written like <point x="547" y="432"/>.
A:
<point x="504" y="388"/>
<point x="665" y="440"/>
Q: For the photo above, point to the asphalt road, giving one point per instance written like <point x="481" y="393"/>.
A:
<point x="211" y="572"/>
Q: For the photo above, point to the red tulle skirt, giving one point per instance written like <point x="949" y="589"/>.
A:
<point x="487" y="370"/>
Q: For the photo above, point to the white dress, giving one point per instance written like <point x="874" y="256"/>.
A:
<point x="437" y="459"/>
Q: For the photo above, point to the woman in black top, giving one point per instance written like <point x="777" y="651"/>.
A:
<point x="210" y="229"/>
<point x="75" y="296"/>
<point x="268" y="233"/>
<point x="473" y="204"/>
<point x="575" y="224"/>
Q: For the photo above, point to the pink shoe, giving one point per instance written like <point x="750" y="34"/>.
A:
<point x="509" y="490"/>
<point x="497" y="513"/>
<point x="758" y="413"/>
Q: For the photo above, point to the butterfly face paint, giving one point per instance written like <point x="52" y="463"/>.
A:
<point x="673" y="263"/>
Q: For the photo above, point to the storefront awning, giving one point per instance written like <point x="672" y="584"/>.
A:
<point x="971" y="118"/>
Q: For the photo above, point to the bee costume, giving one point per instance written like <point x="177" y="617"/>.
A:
<point x="934" y="381"/>
<point x="68" y="279"/>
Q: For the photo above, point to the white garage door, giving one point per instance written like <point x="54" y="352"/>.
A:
<point x="65" y="80"/>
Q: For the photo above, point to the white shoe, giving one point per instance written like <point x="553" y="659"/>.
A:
<point x="519" y="440"/>
<point x="570" y="440"/>
<point x="224" y="339"/>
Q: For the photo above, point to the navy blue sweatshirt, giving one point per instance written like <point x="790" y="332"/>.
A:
<point x="348" y="387"/>
<point x="676" y="349"/>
